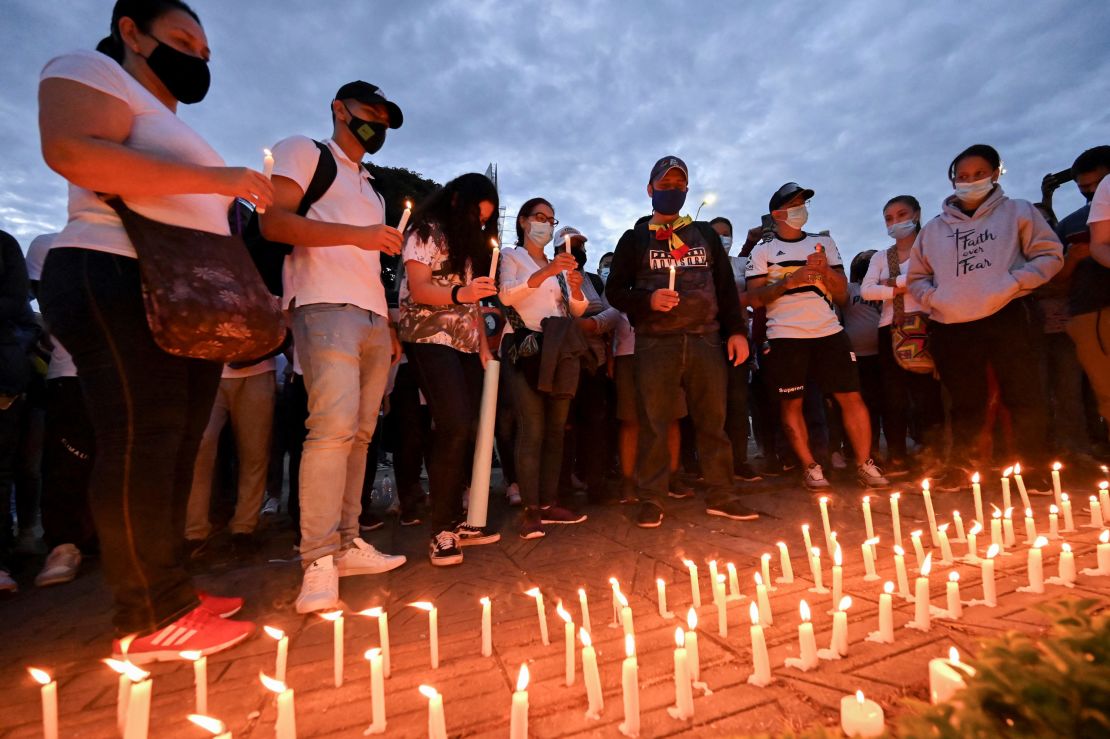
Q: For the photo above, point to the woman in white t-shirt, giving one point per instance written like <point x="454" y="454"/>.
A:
<point x="903" y="390"/>
<point x="108" y="124"/>
<point x="534" y="287"/>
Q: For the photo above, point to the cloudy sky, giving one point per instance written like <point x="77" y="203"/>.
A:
<point x="575" y="100"/>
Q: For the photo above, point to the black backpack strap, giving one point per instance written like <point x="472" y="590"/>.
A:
<point x="322" y="179"/>
<point x="595" y="280"/>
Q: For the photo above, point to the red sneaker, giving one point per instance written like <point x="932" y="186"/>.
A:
<point x="199" y="630"/>
<point x="222" y="606"/>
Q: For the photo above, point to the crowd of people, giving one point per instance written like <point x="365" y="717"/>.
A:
<point x="976" y="337"/>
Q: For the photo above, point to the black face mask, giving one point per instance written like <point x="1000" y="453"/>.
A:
<point x="186" y="76"/>
<point x="579" y="256"/>
<point x="370" y="134"/>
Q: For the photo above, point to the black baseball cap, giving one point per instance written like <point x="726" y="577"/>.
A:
<point x="364" y="92"/>
<point x="786" y="193"/>
<point x="666" y="164"/>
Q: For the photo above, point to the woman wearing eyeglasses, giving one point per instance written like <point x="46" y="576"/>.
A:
<point x="535" y="287"/>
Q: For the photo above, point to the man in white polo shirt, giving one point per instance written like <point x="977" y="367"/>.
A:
<point x="345" y="343"/>
<point x="799" y="277"/>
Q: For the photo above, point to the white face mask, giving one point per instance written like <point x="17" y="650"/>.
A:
<point x="901" y="230"/>
<point x="604" y="274"/>
<point x="796" y="217"/>
<point x="726" y="242"/>
<point x="540" y="233"/>
<point x="972" y="191"/>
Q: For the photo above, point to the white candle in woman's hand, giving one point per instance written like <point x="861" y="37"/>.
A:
<point x="267" y="171"/>
<point x="404" y="222"/>
<point x="494" y="259"/>
<point x="670" y="285"/>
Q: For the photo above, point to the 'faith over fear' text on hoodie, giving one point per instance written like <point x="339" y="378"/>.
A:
<point x="963" y="268"/>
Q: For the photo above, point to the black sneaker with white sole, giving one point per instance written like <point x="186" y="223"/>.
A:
<point x="444" y="549"/>
<point x="731" y="509"/>
<point x="470" y="536"/>
<point x="650" y="515"/>
<point x="679" y="489"/>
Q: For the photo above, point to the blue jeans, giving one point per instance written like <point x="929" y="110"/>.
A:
<point x="344" y="351"/>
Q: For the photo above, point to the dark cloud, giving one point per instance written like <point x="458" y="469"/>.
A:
<point x="574" y="101"/>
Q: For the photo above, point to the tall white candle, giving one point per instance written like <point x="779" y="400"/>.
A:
<point x="377" y="692"/>
<point x="1053" y="522"/>
<point x="683" y="689"/>
<point x="764" y="601"/>
<point x="626" y="615"/>
<point x="918" y="547"/>
<point x="806" y="537"/>
<point x="839" y="642"/>
<point x="487" y="627"/>
<point x="1056" y="481"/>
<point x="977" y="493"/>
<point x="433" y="630"/>
<point x="568" y="641"/>
<point x="972" y="543"/>
<point x="200" y="679"/>
<point x="784" y="563"/>
<point x="921" y="595"/>
<point x="286" y="725"/>
<point x="900" y="572"/>
<point x="823" y="502"/>
<point x="137" y="723"/>
<point x="885" y="634"/>
<point x="896" y="521"/>
<point x="590" y="676"/>
<point x="837" y="574"/>
<point x="955" y="606"/>
<point x="282" y="659"/>
<point x="927" y="496"/>
<point x="868" y="550"/>
<point x="734" y="581"/>
<point x="958" y="523"/>
<point x="765" y="568"/>
<point x="722" y="608"/>
<point x="945" y="545"/>
<point x="437" y="722"/>
<point x="1035" y="566"/>
<point x="1008" y="527"/>
<point x="518" y="715"/>
<point x="807" y="642"/>
<point x="661" y="597"/>
<point x="1065" y="508"/>
<point x="123" y="695"/>
<point x="1104" y="500"/>
<point x="1021" y="487"/>
<point x="584" y="607"/>
<point x="815" y="570"/>
<point x="761" y="663"/>
<point x="996" y="531"/>
<point x="336" y="618"/>
<point x="267" y="171"/>
<point x="1067" y="564"/>
<point x="213" y="726"/>
<point x="541" y="613"/>
<point x="404" y="222"/>
<point x="1030" y="527"/>
<point x="630" y="689"/>
<point x="49" y="694"/>
<point x="496" y="256"/>
<point x="670" y="282"/>
<point x="1096" y="513"/>
<point x="989" y="593"/>
<point x="692" y="645"/>
<point x="713" y="576"/>
<point x="383" y="634"/>
<point x="1006" y="486"/>
<point x="615" y="590"/>
<point x="868" y="525"/>
<point x="695" y="588"/>
<point x="566" y="243"/>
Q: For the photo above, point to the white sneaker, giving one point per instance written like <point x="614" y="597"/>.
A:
<point x="61" y="566"/>
<point x="814" y="478"/>
<point x="870" y="476"/>
<point x="838" y="461"/>
<point x="7" y="584"/>
<point x="363" y="559"/>
<point x="320" y="587"/>
<point x="513" y="494"/>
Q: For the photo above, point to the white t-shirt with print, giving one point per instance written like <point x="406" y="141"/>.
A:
<point x="155" y="129"/>
<point x="456" y="326"/>
<point x="332" y="274"/>
<point x="804" y="312"/>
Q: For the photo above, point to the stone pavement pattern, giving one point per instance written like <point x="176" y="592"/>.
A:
<point x="67" y="629"/>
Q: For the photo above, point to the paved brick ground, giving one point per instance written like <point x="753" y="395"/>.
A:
<point x="67" y="628"/>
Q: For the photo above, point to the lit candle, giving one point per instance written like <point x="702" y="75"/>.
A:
<point x="487" y="627"/>
<point x="1035" y="567"/>
<point x="807" y="642"/>
<point x="1065" y="508"/>
<point x="692" y="645"/>
<point x="761" y="663"/>
<point x="764" y="601"/>
<point x="900" y="572"/>
<point x="518" y="716"/>
<point x="1021" y="487"/>
<point x="921" y="597"/>
<point x="1067" y="565"/>
<point x="945" y="545"/>
<point x="1056" y="481"/>
<point x="989" y="595"/>
<point x="1103" y="554"/>
<point x="630" y="689"/>
<point x="955" y="606"/>
<point x="977" y="493"/>
<point x="541" y="612"/>
<point x="784" y="563"/>
<point x="946" y="677"/>
<point x="861" y="717"/>
<point x="1104" y="500"/>
<point x="615" y="589"/>
<point x="1006" y="486"/>
<point x="137" y="721"/>
<point x="958" y="522"/>
<point x="722" y="612"/>
<point x="734" y="581"/>
<point x="695" y="589"/>
<point x="823" y="502"/>
<point x="670" y="283"/>
<point x="885" y="634"/>
<point x="200" y="679"/>
<point x="584" y="607"/>
<point x="838" y="645"/>
<point x="336" y="618"/>
<point x="868" y="549"/>
<point x="566" y="244"/>
<point x="437" y="722"/>
<point x="1008" y="527"/>
<point x="1053" y="522"/>
<point x="493" y="259"/>
<point x="213" y="726"/>
<point x="837" y="575"/>
<point x="815" y="570"/>
<point x="267" y="172"/>
<point x="972" y="543"/>
<point x="765" y="567"/>
<point x="683" y="690"/>
<point x="868" y="525"/>
<point x="996" y="530"/>
<point x="282" y="652"/>
<point x="433" y="630"/>
<point x="286" y="726"/>
<point x="123" y="695"/>
<point x="590" y="676"/>
<point x="806" y="537"/>
<point x="626" y="615"/>
<point x="49" y="693"/>
<point x="383" y="634"/>
<point x="568" y="641"/>
<point x="405" y="218"/>
<point x="377" y="691"/>
<point x="1030" y="527"/>
<point x="918" y="547"/>
<point x="896" y="521"/>
<point x="927" y="496"/>
<point x="1096" y="514"/>
<point x="719" y="589"/>
<point x="661" y="597"/>
<point x="713" y="577"/>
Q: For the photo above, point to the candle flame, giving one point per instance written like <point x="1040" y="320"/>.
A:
<point x="712" y="564"/>
<point x="333" y="616"/>
<point x="622" y="600"/>
<point x="1052" y="509"/>
<point x="428" y="691"/>
<point x="721" y="578"/>
<point x="953" y="577"/>
<point x="1066" y="547"/>
<point x="1056" y="466"/>
<point x="1104" y="537"/>
<point x="1041" y="541"/>
<point x="484" y="600"/>
<point x="845" y="603"/>
<point x="679" y="638"/>
<point x="423" y="605"/>
<point x="42" y="677"/>
<point x="899" y="550"/>
<point x="758" y="579"/>
<point x="823" y="500"/>
<point x="273" y="633"/>
<point x="955" y="514"/>
<point x="888" y="587"/>
<point x="943" y="528"/>
<point x="531" y="592"/>
<point x="522" y="679"/>
<point x="211" y="725"/>
<point x="781" y="545"/>
<point x="859" y="697"/>
<point x="563" y="614"/>
<point x="1093" y="499"/>
<point x="925" y="485"/>
<point x="805" y="527"/>
<point x="125" y="644"/>
<point x="1017" y="470"/>
<point x="134" y="673"/>
<point x="872" y="541"/>
<point x="494" y="243"/>
<point x="1009" y="513"/>
<point x="582" y="593"/>
<point x="375" y="612"/>
<point x="816" y="551"/>
<point x="977" y="528"/>
<point x="766" y="557"/>
<point x="191" y="655"/>
<point x="927" y="565"/>
<point x="660" y="582"/>
<point x="1103" y="485"/>
<point x="272" y="684"/>
<point x="867" y="499"/>
<point x="975" y="478"/>
<point x="690" y="565"/>
<point x="915" y="534"/>
<point x="992" y="552"/>
<point x="584" y="636"/>
<point x="838" y="558"/>
<point x="408" y="204"/>
<point x="997" y="511"/>
<point x="267" y="153"/>
<point x="954" y="655"/>
<point x="803" y="609"/>
<point x="629" y="645"/>
<point x="692" y="619"/>
<point x="753" y="614"/>
<point x="372" y="653"/>
<point x="895" y="496"/>
<point x="1008" y="471"/>
<point x="1064" y="497"/>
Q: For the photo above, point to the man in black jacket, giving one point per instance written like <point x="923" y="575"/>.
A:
<point x="671" y="276"/>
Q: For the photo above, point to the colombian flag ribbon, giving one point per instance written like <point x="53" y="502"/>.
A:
<point x="669" y="232"/>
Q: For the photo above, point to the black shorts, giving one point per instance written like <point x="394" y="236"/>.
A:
<point x="828" y="362"/>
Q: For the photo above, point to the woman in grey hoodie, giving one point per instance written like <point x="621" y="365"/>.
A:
<point x="973" y="267"/>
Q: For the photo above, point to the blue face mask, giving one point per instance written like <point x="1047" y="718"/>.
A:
<point x="901" y="230"/>
<point x="667" y="202"/>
